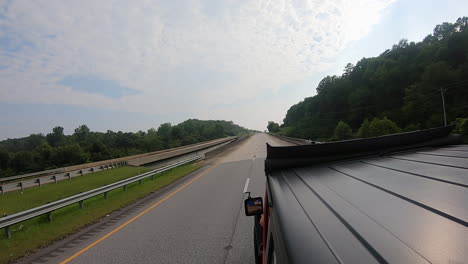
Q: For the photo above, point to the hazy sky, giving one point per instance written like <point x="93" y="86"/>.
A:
<point x="132" y="65"/>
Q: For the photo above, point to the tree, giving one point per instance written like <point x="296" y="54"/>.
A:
<point x="4" y="159"/>
<point x="36" y="152"/>
<point x="461" y="126"/>
<point x="34" y="140"/>
<point x="403" y="43"/>
<point x="22" y="161"/>
<point x="218" y="131"/>
<point x="273" y="127"/>
<point x="164" y="131"/>
<point x="343" y="131"/>
<point x="81" y="132"/>
<point x="69" y="155"/>
<point x="99" y="151"/>
<point x="177" y="132"/>
<point x="364" y="130"/>
<point x="348" y="69"/>
<point x="378" y="127"/>
<point x="326" y="82"/>
<point x="403" y="84"/>
<point x="444" y="30"/>
<point x="56" y="137"/>
<point x="43" y="155"/>
<point x="152" y="141"/>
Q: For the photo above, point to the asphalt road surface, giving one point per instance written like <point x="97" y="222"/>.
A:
<point x="199" y="219"/>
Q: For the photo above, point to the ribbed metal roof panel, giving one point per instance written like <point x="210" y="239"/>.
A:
<point x="399" y="208"/>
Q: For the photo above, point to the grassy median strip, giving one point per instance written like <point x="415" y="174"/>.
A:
<point x="38" y="232"/>
<point x="17" y="201"/>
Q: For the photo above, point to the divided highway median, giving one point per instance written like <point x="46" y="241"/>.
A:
<point x="37" y="216"/>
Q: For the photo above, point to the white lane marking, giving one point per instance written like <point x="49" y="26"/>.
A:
<point x="246" y="184"/>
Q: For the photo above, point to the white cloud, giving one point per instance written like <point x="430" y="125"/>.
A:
<point x="182" y="56"/>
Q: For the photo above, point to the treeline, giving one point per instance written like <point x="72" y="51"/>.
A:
<point x="40" y="152"/>
<point x="402" y="87"/>
<point x="379" y="127"/>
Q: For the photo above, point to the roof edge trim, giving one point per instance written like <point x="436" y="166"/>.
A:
<point x="307" y="155"/>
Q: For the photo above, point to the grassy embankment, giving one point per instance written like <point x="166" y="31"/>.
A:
<point x="38" y="232"/>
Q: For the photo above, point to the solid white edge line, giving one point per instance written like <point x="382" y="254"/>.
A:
<point x="246" y="184"/>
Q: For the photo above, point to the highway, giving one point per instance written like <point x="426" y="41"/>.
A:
<point x="199" y="219"/>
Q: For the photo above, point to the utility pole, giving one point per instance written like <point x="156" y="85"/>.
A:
<point x="443" y="105"/>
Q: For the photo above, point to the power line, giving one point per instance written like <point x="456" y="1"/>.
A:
<point x="455" y="83"/>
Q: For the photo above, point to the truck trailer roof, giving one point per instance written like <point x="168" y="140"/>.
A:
<point x="394" y="199"/>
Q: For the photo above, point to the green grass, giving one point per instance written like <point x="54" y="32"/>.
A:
<point x="17" y="201"/>
<point x="38" y="232"/>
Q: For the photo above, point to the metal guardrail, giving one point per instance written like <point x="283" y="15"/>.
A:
<point x="38" y="181"/>
<point x="7" y="221"/>
<point x="46" y="172"/>
<point x="64" y="170"/>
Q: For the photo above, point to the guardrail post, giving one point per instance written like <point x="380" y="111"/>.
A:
<point x="105" y="195"/>
<point x="140" y="182"/>
<point x="81" y="204"/>
<point x="152" y="177"/>
<point x="91" y="170"/>
<point x="55" y="178"/>
<point x="49" y="216"/>
<point x="8" y="232"/>
<point x="125" y="188"/>
<point x="1" y="189"/>
<point x="81" y="172"/>
<point x="39" y="181"/>
<point x="68" y="175"/>
<point x="21" y="185"/>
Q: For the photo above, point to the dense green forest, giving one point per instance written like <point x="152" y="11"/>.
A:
<point x="39" y="152"/>
<point x="400" y="90"/>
